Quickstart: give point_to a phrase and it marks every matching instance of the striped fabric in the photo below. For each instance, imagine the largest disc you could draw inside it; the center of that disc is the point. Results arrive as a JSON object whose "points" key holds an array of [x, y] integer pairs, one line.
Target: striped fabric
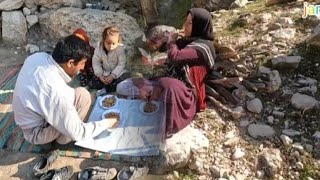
{"points": [[11, 137]]}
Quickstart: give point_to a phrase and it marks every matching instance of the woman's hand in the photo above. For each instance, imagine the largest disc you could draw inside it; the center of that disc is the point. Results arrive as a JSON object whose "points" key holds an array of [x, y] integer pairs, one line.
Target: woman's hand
{"points": [[155, 94], [108, 79], [173, 37], [144, 94]]}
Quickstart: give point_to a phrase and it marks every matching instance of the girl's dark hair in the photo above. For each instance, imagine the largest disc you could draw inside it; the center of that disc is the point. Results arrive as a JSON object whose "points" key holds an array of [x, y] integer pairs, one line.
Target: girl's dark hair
{"points": [[71, 47], [111, 31]]}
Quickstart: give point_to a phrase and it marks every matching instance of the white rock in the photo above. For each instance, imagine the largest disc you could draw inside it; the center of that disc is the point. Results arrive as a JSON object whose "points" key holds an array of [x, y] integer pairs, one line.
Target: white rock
{"points": [[215, 171], [238, 154], [9, 5], [32, 20], [266, 38], [196, 165], [309, 148], [264, 70], [286, 140], [316, 135], [286, 124], [299, 165], [270, 119], [313, 39], [50, 4], [285, 20], [255, 106], [14, 27], [287, 33], [176, 174], [230, 135], [256, 130], [298, 146], [278, 114], [302, 101], [291, 132], [244, 123], [231, 142], [73, 3], [240, 111], [286, 62], [274, 82], [31, 4], [231, 178], [312, 89], [270, 161], [266, 17], [32, 48], [308, 82], [179, 147], [26, 11], [239, 3], [260, 174], [240, 177]]}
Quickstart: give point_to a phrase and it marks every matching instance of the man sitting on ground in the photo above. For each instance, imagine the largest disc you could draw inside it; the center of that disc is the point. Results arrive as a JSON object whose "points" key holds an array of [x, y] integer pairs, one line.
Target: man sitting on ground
{"points": [[45, 107]]}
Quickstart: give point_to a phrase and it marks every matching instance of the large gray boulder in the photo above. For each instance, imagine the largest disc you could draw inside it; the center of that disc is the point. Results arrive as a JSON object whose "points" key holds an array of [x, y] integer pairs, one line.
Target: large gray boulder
{"points": [[14, 27], [53, 4], [9, 5], [178, 149], [64, 21], [213, 5]]}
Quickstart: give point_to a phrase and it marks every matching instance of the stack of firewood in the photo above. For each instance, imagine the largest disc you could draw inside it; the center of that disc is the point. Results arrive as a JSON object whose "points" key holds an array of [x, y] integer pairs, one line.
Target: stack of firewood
{"points": [[229, 74]]}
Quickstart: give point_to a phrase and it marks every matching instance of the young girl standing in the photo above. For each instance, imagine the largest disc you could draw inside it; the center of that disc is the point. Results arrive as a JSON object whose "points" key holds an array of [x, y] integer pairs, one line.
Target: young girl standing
{"points": [[109, 61]]}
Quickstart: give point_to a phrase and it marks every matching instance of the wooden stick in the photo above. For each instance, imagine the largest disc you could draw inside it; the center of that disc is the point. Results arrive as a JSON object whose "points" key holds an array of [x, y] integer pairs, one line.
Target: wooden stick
{"points": [[248, 85], [228, 83], [223, 107], [226, 94], [214, 85], [210, 91], [215, 75]]}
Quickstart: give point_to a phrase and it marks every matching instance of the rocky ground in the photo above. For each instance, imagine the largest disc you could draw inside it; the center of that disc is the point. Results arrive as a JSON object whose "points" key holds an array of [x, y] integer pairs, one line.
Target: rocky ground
{"points": [[278, 137]]}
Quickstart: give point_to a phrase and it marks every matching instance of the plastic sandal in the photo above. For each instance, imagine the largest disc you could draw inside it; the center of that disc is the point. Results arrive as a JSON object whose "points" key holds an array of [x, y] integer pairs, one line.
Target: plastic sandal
{"points": [[64, 173], [132, 172], [42, 166], [97, 173]]}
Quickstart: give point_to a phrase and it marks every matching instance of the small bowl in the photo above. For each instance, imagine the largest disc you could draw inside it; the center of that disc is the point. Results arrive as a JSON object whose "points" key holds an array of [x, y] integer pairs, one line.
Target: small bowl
{"points": [[107, 96], [111, 111], [141, 107]]}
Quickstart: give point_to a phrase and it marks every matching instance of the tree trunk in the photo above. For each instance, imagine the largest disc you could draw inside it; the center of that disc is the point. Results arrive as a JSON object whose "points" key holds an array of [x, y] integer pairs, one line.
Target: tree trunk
{"points": [[150, 12]]}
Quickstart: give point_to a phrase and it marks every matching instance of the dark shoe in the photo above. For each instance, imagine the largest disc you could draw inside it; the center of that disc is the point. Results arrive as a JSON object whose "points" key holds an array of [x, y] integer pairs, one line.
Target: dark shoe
{"points": [[97, 173], [132, 172], [43, 165], [64, 173]]}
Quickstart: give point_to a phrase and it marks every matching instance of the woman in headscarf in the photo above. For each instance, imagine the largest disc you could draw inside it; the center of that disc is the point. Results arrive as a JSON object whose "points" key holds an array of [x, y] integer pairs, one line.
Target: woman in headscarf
{"points": [[192, 56], [87, 77], [189, 60]]}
